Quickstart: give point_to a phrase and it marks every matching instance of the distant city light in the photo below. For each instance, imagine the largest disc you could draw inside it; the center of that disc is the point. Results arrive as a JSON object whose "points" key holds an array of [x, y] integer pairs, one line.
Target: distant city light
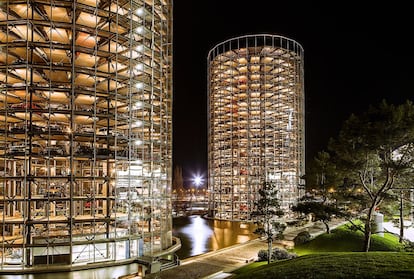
{"points": [[198, 180]]}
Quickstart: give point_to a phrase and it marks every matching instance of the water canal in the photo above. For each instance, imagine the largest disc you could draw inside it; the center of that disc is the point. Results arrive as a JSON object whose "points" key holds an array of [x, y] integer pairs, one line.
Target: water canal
{"points": [[198, 236]]}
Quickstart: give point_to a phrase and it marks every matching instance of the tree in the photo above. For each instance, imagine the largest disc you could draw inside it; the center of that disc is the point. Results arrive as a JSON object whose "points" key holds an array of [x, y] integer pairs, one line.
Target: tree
{"points": [[178, 201], [373, 150], [320, 200], [321, 211], [178, 184], [267, 214], [320, 175], [403, 193], [400, 203]]}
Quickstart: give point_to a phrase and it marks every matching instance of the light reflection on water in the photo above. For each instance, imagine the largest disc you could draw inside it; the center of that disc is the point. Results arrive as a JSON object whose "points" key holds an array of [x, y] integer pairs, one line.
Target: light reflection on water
{"points": [[97, 273], [199, 235], [198, 232]]}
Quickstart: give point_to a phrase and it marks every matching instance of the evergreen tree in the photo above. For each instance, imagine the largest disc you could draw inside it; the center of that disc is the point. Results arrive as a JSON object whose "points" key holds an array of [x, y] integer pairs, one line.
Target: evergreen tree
{"points": [[371, 153], [178, 184], [267, 215], [320, 200]]}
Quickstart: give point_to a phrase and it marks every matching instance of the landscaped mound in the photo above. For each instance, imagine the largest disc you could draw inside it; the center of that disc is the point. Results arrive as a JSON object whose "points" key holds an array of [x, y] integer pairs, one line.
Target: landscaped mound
{"points": [[342, 239], [337, 255], [385, 265]]}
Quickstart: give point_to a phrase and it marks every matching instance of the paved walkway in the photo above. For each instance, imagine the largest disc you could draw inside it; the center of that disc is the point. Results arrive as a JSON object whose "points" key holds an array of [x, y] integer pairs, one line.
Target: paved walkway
{"points": [[219, 264]]}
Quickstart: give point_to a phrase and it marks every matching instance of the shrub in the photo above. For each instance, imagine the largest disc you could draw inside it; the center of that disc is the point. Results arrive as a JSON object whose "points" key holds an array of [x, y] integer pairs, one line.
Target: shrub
{"points": [[282, 254], [408, 246], [277, 254], [262, 255], [302, 237]]}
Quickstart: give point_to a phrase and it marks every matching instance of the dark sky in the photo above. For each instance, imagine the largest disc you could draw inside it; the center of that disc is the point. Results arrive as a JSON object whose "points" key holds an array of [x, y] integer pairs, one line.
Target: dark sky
{"points": [[354, 56]]}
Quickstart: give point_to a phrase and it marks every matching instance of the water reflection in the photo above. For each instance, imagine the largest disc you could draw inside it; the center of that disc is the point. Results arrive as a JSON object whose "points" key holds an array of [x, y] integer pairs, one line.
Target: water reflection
{"points": [[199, 235], [96, 273]]}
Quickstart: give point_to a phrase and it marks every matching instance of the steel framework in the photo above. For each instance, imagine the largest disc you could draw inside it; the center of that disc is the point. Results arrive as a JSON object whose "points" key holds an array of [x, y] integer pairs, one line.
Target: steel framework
{"points": [[256, 122], [85, 131]]}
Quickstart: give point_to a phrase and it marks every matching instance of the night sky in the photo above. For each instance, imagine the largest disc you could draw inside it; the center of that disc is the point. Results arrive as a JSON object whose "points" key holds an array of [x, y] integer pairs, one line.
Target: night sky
{"points": [[354, 56]]}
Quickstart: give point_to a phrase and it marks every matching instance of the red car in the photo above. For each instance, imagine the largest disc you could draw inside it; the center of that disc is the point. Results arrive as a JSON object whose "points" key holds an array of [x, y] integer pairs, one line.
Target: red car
{"points": [[26, 106]]}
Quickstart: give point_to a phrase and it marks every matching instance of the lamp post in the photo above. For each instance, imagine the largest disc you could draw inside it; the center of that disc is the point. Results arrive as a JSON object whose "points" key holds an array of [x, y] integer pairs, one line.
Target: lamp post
{"points": [[198, 181]]}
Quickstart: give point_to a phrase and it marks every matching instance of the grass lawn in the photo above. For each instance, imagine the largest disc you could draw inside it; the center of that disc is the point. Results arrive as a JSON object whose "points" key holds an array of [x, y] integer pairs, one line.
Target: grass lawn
{"points": [[338, 265], [342, 239], [338, 255]]}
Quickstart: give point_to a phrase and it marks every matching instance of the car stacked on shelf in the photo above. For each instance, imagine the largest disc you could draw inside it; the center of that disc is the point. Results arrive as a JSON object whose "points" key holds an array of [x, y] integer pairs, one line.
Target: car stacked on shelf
{"points": [[85, 129], [256, 122]]}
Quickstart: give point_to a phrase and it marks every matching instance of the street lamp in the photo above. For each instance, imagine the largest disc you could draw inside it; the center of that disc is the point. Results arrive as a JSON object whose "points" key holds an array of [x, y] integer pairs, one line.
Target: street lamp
{"points": [[198, 181]]}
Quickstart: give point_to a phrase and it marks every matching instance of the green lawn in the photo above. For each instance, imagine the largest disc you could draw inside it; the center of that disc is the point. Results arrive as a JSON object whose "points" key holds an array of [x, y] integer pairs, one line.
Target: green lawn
{"points": [[338, 265], [338, 255], [342, 239]]}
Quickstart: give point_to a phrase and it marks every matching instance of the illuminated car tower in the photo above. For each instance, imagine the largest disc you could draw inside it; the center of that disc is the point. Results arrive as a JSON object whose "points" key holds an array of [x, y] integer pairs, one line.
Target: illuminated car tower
{"points": [[256, 122], [85, 132]]}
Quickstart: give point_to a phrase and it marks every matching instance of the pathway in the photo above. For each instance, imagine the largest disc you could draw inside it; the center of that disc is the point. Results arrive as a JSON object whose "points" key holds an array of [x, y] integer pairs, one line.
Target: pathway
{"points": [[219, 264]]}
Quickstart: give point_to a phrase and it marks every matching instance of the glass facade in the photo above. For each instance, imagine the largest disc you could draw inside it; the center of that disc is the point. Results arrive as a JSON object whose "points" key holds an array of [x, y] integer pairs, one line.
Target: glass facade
{"points": [[85, 131], [256, 123]]}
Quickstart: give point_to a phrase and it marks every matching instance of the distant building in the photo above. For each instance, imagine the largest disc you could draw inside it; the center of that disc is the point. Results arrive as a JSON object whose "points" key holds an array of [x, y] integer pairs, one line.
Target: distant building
{"points": [[256, 122], [85, 132]]}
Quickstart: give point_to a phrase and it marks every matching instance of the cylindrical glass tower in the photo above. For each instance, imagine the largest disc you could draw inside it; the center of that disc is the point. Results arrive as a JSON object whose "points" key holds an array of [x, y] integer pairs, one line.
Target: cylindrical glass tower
{"points": [[85, 131], [256, 122]]}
